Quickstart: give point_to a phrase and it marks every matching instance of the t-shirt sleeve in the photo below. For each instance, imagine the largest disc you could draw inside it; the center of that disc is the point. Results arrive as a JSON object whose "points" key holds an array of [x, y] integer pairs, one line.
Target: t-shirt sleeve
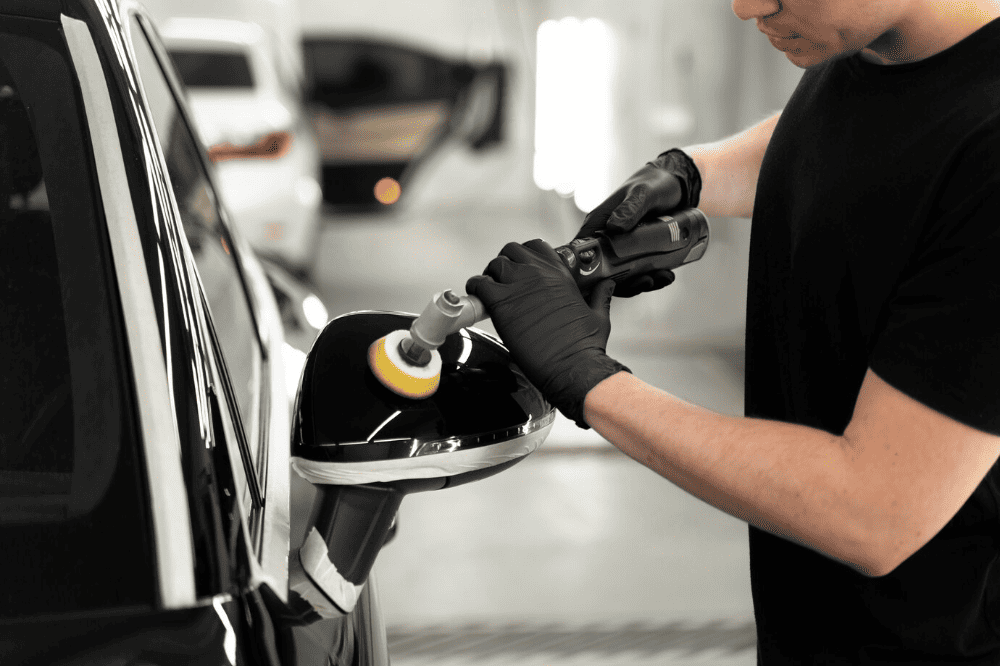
{"points": [[940, 343]]}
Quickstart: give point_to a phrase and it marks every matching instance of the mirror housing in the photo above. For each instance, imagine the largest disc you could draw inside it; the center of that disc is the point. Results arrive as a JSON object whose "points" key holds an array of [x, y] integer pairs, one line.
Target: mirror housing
{"points": [[364, 447]]}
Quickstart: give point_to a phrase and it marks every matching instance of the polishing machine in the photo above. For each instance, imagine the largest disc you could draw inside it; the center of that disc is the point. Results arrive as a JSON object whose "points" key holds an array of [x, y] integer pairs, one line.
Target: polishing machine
{"points": [[433, 403], [406, 361]]}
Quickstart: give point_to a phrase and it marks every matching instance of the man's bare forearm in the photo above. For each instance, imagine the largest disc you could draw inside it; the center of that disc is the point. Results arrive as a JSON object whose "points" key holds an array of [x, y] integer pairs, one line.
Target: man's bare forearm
{"points": [[729, 169], [787, 479]]}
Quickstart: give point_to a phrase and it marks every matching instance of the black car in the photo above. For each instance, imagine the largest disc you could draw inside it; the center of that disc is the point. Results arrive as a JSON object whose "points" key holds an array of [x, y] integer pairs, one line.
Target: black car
{"points": [[144, 436]]}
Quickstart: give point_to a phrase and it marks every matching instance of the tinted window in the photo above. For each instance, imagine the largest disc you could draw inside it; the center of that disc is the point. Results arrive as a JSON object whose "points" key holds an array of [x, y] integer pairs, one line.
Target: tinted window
{"points": [[72, 517], [209, 240], [212, 69]]}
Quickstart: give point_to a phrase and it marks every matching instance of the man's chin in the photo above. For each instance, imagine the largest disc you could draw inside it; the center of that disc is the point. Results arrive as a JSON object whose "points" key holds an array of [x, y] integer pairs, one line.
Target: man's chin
{"points": [[811, 58]]}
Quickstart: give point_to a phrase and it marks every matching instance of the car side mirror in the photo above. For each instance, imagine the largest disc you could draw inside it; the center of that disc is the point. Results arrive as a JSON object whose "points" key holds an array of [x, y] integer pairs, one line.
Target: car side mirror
{"points": [[364, 447]]}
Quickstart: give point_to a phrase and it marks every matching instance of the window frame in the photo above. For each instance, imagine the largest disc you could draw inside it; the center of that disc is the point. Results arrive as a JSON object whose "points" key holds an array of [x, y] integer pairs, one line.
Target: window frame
{"points": [[251, 432], [249, 463]]}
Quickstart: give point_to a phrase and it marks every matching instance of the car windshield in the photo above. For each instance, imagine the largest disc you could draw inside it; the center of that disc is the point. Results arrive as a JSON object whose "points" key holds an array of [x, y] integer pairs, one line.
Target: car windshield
{"points": [[72, 514], [212, 69]]}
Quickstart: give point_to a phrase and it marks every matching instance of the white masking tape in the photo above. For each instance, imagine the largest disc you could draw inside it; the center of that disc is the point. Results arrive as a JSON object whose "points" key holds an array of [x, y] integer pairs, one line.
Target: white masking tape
{"points": [[315, 559]]}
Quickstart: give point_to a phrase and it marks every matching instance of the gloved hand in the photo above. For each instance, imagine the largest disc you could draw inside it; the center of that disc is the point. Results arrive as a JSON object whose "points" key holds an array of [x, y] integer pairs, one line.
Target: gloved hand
{"points": [[555, 337], [669, 182]]}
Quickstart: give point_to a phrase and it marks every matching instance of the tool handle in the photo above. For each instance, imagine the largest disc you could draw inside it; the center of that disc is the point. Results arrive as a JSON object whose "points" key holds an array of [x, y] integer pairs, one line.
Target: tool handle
{"points": [[662, 243], [445, 314]]}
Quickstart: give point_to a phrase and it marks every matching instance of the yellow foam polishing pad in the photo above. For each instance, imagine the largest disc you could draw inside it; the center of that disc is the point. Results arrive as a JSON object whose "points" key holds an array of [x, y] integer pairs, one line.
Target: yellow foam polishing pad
{"points": [[397, 374]]}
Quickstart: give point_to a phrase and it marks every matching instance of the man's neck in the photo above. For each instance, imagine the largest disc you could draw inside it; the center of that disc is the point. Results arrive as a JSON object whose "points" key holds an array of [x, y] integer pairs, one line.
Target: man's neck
{"points": [[931, 27]]}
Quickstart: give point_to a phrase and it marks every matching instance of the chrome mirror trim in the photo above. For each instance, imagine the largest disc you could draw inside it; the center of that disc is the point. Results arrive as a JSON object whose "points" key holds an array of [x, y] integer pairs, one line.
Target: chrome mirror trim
{"points": [[458, 460], [396, 449]]}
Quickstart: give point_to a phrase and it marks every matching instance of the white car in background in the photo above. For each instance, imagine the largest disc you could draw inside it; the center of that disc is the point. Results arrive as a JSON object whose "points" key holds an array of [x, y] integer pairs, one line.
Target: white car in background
{"points": [[246, 99]]}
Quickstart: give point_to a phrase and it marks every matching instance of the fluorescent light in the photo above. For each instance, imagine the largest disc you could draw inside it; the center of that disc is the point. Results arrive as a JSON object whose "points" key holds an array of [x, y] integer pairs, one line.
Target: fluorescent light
{"points": [[573, 109]]}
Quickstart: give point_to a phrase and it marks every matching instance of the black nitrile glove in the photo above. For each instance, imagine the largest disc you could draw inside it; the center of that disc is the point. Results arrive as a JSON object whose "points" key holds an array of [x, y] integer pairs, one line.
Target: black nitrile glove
{"points": [[555, 337], [669, 182]]}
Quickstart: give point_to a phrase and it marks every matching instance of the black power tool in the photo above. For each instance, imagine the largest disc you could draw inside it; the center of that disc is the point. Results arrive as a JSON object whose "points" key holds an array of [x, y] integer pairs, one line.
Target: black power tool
{"points": [[407, 362], [663, 243]]}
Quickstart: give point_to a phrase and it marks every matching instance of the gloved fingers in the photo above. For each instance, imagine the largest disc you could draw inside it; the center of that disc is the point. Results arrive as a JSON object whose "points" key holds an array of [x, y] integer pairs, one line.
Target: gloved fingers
{"points": [[663, 278], [545, 251], [600, 297], [644, 283], [536, 253], [503, 270], [634, 286], [504, 266], [485, 288], [522, 253], [512, 251], [597, 219], [631, 210], [525, 262]]}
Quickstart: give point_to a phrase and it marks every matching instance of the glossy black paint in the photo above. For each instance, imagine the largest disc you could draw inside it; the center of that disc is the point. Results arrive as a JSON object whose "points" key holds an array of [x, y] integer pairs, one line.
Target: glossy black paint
{"points": [[277, 636], [46, 9], [181, 317], [195, 637], [355, 522], [344, 414], [265, 629], [61, 349]]}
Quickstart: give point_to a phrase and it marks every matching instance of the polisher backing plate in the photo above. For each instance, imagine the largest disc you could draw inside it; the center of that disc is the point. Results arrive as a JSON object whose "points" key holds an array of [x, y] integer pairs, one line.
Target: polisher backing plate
{"points": [[399, 376]]}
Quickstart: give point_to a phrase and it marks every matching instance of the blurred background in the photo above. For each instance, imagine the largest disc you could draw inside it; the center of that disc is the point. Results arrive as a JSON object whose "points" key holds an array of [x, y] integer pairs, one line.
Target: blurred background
{"points": [[376, 153]]}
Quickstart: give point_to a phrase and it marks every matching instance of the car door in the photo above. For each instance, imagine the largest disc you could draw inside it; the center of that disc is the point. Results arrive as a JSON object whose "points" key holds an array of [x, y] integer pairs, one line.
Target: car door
{"points": [[249, 411], [242, 314]]}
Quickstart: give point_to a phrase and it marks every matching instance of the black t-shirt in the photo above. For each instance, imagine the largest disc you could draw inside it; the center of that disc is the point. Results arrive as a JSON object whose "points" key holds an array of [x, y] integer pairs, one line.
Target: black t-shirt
{"points": [[876, 244]]}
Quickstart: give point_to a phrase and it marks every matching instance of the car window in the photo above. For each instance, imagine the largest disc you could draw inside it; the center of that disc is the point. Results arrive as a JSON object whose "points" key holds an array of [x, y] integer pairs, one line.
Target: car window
{"points": [[73, 533], [212, 69], [209, 240]]}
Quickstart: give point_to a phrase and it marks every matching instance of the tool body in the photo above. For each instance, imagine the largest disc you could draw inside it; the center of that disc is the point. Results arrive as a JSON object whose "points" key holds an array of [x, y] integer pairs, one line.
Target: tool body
{"points": [[664, 243], [407, 362]]}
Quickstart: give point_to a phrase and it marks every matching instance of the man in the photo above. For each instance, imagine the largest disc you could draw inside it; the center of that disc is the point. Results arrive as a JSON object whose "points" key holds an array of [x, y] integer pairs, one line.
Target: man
{"points": [[866, 462]]}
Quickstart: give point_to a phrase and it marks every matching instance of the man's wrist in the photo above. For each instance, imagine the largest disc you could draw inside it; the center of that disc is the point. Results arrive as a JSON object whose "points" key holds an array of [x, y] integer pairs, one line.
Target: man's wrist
{"points": [[682, 166], [578, 383], [612, 385]]}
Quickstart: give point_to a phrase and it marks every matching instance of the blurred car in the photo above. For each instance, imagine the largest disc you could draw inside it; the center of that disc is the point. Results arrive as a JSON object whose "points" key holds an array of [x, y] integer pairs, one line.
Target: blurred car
{"points": [[387, 89], [246, 100], [144, 430]]}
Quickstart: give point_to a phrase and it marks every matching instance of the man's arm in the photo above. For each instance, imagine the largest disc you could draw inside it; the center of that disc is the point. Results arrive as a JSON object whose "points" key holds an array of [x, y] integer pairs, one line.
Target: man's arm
{"points": [[729, 169], [869, 498]]}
